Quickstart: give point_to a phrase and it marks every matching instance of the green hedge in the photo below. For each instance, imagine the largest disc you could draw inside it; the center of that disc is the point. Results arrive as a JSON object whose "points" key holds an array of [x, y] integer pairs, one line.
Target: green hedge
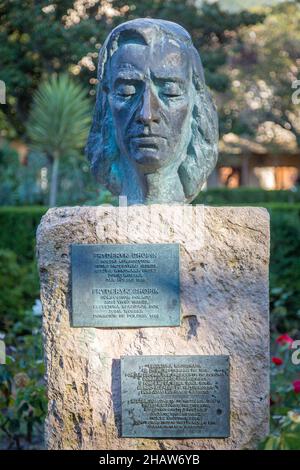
{"points": [[225, 196], [18, 269], [18, 228], [19, 224], [18, 231], [285, 269], [19, 288], [281, 209]]}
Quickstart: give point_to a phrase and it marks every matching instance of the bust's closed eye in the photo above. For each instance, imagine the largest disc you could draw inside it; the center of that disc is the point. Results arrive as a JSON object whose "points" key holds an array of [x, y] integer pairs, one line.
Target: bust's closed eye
{"points": [[171, 89], [126, 90]]}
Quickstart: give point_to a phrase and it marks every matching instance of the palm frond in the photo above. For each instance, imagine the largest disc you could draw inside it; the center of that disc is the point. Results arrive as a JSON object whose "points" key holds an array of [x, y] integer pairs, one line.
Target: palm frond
{"points": [[60, 116]]}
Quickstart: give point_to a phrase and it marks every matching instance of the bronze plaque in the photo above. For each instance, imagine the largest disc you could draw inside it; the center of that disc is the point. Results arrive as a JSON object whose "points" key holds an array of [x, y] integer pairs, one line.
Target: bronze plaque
{"points": [[125, 285], [175, 396]]}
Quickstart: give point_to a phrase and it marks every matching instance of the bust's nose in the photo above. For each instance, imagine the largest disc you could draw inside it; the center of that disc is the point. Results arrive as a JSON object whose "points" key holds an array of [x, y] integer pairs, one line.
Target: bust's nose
{"points": [[148, 111]]}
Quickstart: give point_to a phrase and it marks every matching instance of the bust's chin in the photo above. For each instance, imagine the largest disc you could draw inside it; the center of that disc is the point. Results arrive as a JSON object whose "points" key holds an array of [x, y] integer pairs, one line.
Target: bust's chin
{"points": [[149, 160]]}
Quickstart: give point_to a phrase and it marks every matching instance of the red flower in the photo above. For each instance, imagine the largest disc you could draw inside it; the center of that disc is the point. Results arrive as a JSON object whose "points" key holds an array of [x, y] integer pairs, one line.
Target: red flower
{"points": [[284, 339], [277, 361], [296, 385]]}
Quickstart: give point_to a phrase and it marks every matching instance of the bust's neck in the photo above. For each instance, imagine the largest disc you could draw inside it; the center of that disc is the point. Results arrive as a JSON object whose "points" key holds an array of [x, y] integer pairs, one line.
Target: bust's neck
{"points": [[161, 187]]}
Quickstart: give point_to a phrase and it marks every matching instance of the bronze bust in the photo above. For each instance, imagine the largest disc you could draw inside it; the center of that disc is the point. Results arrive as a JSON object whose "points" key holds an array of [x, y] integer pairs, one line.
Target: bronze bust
{"points": [[154, 136]]}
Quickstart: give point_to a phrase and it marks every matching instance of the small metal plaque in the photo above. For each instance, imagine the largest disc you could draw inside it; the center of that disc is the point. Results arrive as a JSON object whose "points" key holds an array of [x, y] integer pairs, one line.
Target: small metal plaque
{"points": [[175, 396], [125, 285]]}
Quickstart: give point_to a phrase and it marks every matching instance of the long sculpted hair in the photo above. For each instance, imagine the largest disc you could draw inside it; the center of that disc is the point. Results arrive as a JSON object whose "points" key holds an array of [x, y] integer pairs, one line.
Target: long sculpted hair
{"points": [[202, 151]]}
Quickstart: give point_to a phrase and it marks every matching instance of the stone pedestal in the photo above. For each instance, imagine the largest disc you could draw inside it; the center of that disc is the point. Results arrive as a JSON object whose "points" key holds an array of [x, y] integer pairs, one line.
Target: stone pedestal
{"points": [[224, 258]]}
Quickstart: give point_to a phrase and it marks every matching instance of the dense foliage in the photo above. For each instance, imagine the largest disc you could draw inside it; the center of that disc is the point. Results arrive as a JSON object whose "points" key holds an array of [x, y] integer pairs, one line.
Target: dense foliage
{"points": [[285, 271], [27, 183], [40, 38], [18, 227], [19, 288], [22, 391], [35, 43], [285, 397], [246, 195], [263, 67], [59, 122]]}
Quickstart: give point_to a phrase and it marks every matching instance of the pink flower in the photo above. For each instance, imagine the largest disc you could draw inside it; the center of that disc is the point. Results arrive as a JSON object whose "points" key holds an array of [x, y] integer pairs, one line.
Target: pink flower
{"points": [[296, 385], [284, 339], [277, 361]]}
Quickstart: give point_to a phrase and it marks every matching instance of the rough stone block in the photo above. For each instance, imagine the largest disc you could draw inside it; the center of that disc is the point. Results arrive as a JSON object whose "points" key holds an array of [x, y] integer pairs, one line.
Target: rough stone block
{"points": [[224, 310]]}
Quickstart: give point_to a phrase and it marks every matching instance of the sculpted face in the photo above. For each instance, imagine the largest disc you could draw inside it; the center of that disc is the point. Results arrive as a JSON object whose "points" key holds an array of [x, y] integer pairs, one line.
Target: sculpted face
{"points": [[150, 97], [154, 137]]}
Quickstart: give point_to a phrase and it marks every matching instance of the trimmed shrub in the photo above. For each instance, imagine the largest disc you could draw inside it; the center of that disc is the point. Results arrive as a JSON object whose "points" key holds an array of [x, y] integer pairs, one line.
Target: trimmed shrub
{"points": [[285, 269], [244, 196], [18, 270], [19, 288], [18, 229]]}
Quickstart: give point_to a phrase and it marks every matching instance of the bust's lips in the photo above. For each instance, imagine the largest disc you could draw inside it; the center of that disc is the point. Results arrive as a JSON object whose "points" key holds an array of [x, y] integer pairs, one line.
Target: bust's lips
{"points": [[147, 141]]}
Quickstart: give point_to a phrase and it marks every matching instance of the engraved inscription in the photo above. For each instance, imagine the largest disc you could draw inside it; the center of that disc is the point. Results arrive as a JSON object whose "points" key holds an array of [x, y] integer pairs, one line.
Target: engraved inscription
{"points": [[175, 396], [129, 268], [125, 285]]}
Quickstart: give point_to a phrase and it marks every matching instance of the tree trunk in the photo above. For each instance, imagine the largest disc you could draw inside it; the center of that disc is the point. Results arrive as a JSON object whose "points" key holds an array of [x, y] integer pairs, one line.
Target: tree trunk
{"points": [[53, 186]]}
